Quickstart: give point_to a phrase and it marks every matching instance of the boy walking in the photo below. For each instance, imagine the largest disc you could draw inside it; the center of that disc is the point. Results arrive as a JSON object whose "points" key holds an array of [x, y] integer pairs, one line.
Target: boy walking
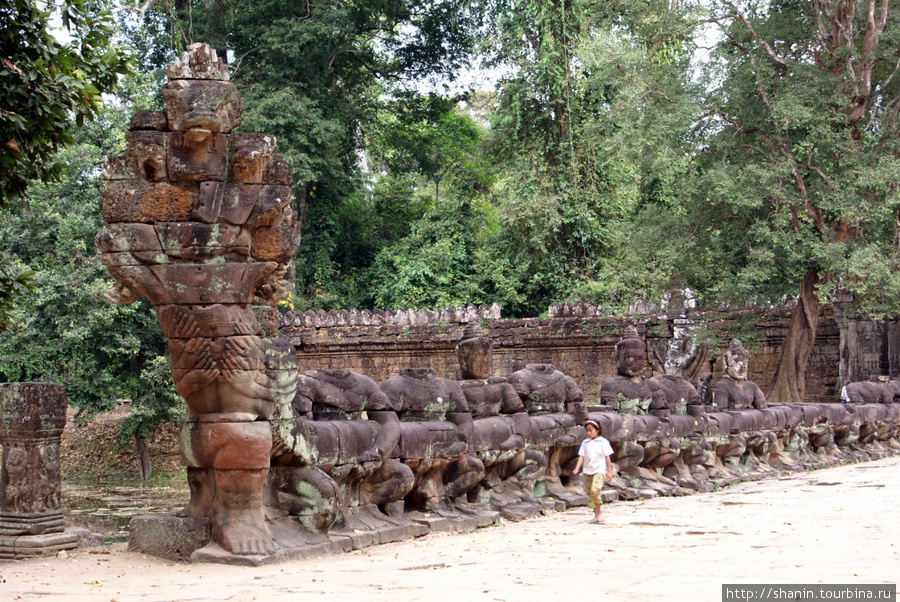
{"points": [[594, 455]]}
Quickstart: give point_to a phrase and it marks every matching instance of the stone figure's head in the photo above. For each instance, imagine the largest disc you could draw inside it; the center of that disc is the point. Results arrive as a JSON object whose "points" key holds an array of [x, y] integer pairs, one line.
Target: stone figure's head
{"points": [[737, 360], [199, 95], [475, 353], [678, 352], [631, 355]]}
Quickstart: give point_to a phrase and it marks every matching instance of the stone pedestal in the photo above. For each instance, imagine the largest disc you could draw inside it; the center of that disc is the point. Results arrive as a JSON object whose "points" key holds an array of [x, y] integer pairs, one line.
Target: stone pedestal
{"points": [[32, 418]]}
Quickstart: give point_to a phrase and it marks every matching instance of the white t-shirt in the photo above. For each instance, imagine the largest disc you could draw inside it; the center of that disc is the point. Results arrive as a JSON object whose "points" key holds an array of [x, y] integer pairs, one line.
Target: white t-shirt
{"points": [[594, 452]]}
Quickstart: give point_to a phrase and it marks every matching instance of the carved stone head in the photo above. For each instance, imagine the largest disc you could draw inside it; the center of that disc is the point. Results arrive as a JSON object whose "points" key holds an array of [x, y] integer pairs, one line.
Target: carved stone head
{"points": [[475, 353], [631, 354], [199, 95], [737, 360]]}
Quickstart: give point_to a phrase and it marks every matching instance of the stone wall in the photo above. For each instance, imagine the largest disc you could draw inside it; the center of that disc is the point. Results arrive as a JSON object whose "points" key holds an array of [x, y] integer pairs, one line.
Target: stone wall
{"points": [[581, 346]]}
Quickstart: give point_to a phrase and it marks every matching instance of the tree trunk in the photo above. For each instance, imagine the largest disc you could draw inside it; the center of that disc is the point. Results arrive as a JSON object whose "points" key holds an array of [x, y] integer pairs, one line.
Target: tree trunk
{"points": [[790, 375], [143, 457]]}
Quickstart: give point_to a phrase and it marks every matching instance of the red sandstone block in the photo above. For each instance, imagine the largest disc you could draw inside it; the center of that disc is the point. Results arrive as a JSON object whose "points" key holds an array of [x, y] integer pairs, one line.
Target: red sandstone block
{"points": [[274, 243], [250, 156], [143, 201], [186, 283]]}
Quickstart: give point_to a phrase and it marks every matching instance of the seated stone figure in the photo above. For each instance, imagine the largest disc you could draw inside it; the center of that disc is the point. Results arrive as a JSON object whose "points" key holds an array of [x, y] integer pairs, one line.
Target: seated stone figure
{"points": [[734, 391], [486, 394], [690, 455], [545, 390], [629, 392], [556, 410], [332, 449], [501, 426], [680, 393], [435, 425], [881, 391]]}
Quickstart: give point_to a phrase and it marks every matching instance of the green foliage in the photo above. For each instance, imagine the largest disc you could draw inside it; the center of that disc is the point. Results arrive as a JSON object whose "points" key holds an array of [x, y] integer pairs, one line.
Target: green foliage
{"points": [[801, 171], [436, 264], [427, 135], [44, 80], [14, 282], [43, 83], [317, 77], [588, 131], [64, 331], [153, 401]]}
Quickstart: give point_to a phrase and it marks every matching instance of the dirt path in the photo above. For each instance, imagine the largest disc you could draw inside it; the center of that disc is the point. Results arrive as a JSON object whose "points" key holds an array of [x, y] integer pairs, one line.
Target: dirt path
{"points": [[831, 526]]}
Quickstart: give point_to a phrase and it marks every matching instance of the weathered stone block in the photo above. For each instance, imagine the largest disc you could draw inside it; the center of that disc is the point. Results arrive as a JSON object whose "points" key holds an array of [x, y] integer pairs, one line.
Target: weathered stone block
{"points": [[32, 418], [250, 156], [227, 445], [146, 155], [272, 207], [278, 172], [199, 61], [192, 240], [274, 243], [115, 168], [181, 284], [128, 238], [33, 546], [32, 409], [142, 201], [229, 203], [196, 155], [206, 321], [148, 120], [167, 536]]}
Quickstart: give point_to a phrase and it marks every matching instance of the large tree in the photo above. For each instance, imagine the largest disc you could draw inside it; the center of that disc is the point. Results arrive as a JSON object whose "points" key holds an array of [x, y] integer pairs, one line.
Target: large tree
{"points": [[577, 137], [317, 75], [801, 169]]}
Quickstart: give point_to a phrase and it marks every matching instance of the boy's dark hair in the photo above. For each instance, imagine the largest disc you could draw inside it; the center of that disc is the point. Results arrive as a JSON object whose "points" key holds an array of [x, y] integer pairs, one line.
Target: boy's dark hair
{"points": [[596, 425]]}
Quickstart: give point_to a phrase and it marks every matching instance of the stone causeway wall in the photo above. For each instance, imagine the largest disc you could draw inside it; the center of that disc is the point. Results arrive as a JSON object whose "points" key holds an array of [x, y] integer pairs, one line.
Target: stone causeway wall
{"points": [[581, 346], [459, 314]]}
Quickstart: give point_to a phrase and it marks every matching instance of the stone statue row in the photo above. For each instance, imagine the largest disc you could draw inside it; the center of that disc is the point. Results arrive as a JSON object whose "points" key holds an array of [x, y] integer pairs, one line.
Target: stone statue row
{"points": [[200, 222], [421, 443], [666, 439]]}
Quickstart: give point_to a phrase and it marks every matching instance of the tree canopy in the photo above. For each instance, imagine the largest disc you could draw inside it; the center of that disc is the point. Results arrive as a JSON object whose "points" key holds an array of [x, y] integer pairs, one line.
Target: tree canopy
{"points": [[45, 82]]}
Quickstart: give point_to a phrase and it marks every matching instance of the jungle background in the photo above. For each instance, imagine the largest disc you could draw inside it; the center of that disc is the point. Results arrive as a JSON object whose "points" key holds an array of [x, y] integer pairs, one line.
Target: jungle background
{"points": [[517, 152]]}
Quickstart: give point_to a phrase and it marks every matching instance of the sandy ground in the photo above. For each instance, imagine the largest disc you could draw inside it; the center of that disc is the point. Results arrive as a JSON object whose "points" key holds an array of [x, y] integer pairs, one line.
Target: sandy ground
{"points": [[830, 526]]}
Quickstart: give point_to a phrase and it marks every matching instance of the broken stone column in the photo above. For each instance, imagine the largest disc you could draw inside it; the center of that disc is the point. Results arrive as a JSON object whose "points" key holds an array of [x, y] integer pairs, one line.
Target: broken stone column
{"points": [[32, 418]]}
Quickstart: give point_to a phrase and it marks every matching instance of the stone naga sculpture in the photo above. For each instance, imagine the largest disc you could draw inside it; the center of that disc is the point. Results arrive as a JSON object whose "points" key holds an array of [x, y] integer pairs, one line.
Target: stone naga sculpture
{"points": [[200, 223], [884, 390]]}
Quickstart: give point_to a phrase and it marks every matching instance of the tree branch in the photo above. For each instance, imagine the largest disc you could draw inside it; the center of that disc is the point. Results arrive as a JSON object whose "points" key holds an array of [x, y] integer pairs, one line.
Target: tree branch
{"points": [[769, 50]]}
